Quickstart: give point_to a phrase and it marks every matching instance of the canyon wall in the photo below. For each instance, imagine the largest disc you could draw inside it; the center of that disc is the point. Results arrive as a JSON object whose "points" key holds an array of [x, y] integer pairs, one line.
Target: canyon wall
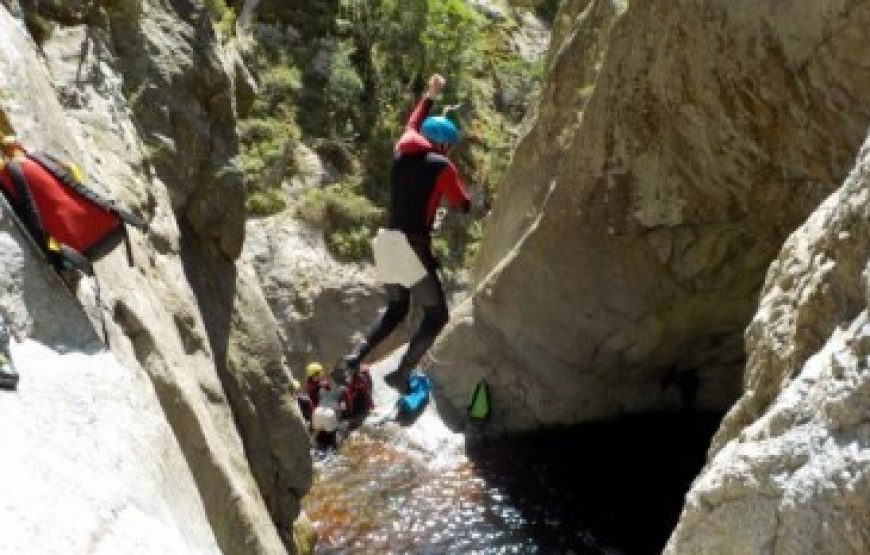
{"points": [[675, 146], [142, 94], [789, 469]]}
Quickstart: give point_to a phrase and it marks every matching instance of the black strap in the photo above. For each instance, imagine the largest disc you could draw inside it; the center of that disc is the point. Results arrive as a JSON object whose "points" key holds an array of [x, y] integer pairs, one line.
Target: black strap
{"points": [[98, 299], [76, 259], [25, 205], [128, 248]]}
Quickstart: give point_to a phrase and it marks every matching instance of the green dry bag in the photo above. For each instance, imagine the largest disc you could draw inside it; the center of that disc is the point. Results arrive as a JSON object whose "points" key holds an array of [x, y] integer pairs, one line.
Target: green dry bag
{"points": [[480, 402]]}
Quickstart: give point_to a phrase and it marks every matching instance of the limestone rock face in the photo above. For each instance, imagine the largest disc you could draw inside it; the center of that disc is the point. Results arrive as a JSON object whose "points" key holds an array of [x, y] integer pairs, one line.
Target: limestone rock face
{"points": [[322, 305], [141, 96], [675, 146], [13, 6], [182, 95], [90, 464], [244, 338], [789, 469]]}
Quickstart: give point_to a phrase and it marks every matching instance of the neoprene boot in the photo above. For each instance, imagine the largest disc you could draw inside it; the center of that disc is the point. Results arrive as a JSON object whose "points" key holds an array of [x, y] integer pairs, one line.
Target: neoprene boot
{"points": [[398, 379]]}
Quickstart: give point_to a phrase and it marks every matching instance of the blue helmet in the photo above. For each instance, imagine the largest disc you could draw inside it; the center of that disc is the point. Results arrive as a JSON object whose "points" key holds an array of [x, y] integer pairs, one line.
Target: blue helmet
{"points": [[441, 130]]}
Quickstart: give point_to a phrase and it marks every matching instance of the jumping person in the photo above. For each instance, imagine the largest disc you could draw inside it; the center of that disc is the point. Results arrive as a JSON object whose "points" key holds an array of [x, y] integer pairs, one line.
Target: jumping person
{"points": [[421, 175]]}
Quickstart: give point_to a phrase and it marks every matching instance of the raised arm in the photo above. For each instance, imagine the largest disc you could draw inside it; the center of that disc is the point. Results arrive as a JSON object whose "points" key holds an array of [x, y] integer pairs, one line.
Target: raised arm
{"points": [[421, 110]]}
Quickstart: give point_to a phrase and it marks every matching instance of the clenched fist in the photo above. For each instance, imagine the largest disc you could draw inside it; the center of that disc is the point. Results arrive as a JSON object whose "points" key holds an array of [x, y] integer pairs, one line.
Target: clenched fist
{"points": [[436, 84]]}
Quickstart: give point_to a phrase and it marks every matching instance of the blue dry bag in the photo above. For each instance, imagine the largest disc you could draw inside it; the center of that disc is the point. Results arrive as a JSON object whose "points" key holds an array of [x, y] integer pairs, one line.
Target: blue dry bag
{"points": [[415, 400]]}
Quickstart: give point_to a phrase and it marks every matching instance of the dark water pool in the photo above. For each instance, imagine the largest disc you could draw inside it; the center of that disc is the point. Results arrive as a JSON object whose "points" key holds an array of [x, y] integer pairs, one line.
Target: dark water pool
{"points": [[614, 488]]}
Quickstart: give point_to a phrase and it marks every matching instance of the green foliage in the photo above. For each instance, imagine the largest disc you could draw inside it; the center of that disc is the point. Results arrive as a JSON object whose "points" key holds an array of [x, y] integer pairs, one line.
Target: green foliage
{"points": [[353, 244], [440, 247], [475, 235], [312, 19], [267, 137], [278, 84], [395, 45], [223, 16], [271, 131], [517, 80], [343, 84], [449, 44], [338, 206], [265, 202], [344, 90], [400, 42], [347, 218], [265, 154]]}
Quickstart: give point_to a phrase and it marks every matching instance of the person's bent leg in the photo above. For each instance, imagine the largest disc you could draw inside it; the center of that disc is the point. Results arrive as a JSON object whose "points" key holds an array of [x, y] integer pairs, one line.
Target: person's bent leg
{"points": [[430, 295], [398, 301]]}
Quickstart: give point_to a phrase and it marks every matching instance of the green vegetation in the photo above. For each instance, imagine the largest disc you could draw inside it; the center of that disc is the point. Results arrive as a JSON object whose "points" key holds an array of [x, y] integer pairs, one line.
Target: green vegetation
{"points": [[396, 45], [344, 91], [344, 83], [262, 202], [223, 16], [268, 136], [348, 218]]}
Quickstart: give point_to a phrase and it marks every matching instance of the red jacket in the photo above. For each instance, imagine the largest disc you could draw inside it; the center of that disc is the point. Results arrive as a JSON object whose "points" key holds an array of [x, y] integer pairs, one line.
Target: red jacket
{"points": [[421, 177]]}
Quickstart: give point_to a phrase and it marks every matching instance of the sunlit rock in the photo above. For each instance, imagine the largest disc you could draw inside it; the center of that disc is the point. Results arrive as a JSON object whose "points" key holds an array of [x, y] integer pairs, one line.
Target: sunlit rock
{"points": [[676, 145], [790, 465]]}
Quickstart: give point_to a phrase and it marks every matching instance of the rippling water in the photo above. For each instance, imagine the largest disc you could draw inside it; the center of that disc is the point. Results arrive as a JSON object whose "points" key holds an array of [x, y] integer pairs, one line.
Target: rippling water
{"points": [[614, 488]]}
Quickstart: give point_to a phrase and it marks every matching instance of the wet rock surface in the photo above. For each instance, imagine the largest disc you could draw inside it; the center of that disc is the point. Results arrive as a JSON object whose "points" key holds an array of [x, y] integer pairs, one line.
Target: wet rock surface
{"points": [[789, 469]]}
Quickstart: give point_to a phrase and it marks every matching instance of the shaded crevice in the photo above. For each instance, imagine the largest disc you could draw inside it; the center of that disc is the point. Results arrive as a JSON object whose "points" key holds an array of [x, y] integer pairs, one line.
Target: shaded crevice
{"points": [[599, 486], [269, 438], [190, 337]]}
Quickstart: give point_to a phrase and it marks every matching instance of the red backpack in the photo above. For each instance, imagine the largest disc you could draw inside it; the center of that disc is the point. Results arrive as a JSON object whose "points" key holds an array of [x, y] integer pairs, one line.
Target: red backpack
{"points": [[356, 396], [70, 223]]}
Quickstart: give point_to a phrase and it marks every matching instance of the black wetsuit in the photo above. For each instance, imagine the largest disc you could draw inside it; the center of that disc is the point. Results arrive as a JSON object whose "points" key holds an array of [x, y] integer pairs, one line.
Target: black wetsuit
{"points": [[420, 178]]}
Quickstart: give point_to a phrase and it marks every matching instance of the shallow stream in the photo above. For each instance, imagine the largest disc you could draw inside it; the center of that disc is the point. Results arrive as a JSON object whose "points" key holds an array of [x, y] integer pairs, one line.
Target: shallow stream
{"points": [[614, 488]]}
